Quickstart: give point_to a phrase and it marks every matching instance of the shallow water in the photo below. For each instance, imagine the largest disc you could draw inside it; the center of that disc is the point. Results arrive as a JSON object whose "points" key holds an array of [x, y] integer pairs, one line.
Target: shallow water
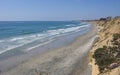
{"points": [[26, 35]]}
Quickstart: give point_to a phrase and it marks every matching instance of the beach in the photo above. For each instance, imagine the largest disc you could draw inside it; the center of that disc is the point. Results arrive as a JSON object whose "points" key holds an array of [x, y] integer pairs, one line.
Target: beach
{"points": [[59, 37], [69, 59]]}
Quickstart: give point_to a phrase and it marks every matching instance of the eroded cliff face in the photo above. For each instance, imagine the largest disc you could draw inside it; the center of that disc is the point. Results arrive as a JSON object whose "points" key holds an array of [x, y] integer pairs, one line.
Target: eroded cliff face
{"points": [[107, 29]]}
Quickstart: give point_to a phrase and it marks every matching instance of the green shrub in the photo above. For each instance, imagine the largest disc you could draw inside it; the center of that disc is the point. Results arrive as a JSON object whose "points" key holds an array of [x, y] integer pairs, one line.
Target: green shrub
{"points": [[103, 58], [116, 36]]}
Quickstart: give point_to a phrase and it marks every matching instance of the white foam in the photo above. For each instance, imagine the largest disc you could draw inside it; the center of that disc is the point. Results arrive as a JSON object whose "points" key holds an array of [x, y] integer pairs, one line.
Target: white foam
{"points": [[14, 39], [1, 40], [31, 48], [65, 30], [11, 43], [70, 25]]}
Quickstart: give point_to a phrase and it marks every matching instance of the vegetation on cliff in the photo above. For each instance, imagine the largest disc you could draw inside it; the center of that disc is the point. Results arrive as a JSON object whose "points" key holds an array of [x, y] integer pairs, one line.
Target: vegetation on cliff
{"points": [[108, 57]]}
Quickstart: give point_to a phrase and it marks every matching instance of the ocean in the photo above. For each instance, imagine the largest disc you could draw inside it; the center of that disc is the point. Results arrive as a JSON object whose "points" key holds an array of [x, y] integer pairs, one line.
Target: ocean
{"points": [[27, 35]]}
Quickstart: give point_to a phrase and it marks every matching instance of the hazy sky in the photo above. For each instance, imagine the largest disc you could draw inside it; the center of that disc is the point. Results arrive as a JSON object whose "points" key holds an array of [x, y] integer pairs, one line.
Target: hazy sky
{"points": [[24, 10]]}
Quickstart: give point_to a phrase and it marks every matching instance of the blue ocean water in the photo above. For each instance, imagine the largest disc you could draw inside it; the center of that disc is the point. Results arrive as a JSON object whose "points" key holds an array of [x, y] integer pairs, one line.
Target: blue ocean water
{"points": [[30, 34]]}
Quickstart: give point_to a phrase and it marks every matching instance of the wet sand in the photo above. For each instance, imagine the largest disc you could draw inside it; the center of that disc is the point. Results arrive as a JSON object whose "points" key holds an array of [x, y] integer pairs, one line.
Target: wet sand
{"points": [[70, 59]]}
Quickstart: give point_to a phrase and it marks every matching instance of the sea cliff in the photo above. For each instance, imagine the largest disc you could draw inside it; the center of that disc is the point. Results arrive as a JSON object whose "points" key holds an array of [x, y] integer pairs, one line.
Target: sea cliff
{"points": [[105, 54]]}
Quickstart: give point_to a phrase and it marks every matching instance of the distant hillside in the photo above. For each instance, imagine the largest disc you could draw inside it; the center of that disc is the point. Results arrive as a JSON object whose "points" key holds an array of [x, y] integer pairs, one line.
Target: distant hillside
{"points": [[106, 52]]}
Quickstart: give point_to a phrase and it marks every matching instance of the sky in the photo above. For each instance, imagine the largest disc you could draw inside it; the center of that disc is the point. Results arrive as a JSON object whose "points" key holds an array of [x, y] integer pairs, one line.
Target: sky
{"points": [[57, 10]]}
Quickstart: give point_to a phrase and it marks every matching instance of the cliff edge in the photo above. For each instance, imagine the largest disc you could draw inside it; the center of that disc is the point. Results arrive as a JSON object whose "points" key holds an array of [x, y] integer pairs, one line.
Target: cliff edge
{"points": [[105, 54]]}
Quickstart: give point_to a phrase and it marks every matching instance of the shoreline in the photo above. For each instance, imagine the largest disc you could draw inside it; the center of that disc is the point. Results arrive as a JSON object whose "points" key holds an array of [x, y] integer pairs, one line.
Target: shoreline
{"points": [[58, 60]]}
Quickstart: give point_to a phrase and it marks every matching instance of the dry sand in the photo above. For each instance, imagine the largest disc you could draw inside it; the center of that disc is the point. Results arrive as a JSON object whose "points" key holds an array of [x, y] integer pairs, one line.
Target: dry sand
{"points": [[68, 60]]}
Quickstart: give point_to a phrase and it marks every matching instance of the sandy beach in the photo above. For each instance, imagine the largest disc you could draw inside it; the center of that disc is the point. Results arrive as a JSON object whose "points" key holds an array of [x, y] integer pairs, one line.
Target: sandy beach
{"points": [[59, 37], [70, 59]]}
